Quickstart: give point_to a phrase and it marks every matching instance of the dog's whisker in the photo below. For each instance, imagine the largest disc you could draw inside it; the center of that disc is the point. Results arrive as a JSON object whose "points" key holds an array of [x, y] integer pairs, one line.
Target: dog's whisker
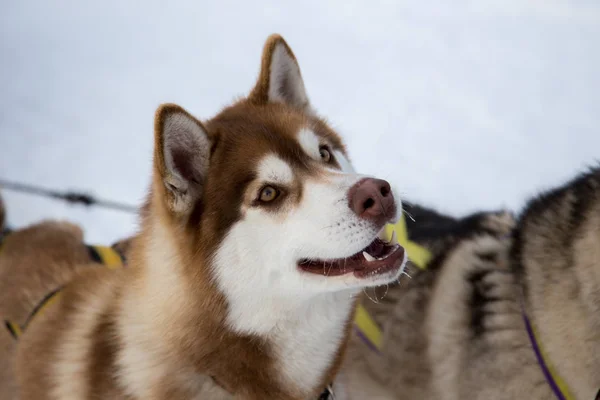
{"points": [[409, 215], [387, 288], [400, 277], [369, 297]]}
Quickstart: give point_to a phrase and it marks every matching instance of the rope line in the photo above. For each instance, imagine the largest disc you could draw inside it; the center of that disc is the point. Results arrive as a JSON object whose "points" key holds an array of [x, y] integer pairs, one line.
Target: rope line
{"points": [[70, 196]]}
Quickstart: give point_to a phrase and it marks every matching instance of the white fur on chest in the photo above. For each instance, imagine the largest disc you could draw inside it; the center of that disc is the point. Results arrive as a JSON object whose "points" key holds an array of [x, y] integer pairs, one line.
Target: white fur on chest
{"points": [[307, 341], [305, 327]]}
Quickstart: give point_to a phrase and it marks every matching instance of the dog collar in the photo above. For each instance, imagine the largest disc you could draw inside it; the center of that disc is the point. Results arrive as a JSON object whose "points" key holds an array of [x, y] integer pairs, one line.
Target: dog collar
{"points": [[104, 255], [558, 385], [364, 326]]}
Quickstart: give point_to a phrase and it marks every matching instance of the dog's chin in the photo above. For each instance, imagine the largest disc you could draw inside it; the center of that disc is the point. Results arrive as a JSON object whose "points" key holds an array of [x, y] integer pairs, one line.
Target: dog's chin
{"points": [[378, 263]]}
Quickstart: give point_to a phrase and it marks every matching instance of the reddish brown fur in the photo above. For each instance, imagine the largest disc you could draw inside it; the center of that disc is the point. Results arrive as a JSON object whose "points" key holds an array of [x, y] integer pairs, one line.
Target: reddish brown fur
{"points": [[38, 345], [241, 364], [259, 95], [33, 262]]}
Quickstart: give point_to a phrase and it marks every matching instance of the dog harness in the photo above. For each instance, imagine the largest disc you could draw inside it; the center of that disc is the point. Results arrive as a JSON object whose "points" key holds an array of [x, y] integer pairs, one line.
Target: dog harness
{"points": [[558, 385], [104, 255]]}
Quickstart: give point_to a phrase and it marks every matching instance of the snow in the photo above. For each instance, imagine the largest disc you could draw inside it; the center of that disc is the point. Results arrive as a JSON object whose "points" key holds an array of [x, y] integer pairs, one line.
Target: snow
{"points": [[463, 105]]}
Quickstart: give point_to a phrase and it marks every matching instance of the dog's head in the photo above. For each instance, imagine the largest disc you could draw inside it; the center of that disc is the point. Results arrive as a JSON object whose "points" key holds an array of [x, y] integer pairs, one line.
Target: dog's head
{"points": [[266, 190]]}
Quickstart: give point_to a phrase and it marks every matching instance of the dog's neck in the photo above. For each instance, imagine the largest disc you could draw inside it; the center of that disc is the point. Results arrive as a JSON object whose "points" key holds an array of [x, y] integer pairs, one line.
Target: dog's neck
{"points": [[305, 336]]}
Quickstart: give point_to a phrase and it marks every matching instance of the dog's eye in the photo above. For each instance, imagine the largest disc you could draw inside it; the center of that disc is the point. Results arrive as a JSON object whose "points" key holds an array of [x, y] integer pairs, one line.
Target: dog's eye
{"points": [[325, 154], [268, 193]]}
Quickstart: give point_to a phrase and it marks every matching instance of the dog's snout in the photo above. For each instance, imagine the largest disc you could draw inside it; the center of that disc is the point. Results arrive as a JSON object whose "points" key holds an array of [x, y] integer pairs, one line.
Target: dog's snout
{"points": [[372, 199]]}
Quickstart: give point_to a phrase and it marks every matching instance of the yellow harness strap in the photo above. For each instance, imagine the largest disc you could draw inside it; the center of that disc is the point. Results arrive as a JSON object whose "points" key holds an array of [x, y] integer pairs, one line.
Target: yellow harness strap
{"points": [[104, 255], [16, 330], [107, 256], [420, 256]]}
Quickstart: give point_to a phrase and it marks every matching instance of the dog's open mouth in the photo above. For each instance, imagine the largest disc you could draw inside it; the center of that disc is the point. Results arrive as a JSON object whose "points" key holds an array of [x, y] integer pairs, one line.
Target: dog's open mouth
{"points": [[377, 258]]}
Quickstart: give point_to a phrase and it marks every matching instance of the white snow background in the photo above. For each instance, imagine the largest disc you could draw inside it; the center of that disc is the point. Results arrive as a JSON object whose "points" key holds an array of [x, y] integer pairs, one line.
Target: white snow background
{"points": [[464, 105]]}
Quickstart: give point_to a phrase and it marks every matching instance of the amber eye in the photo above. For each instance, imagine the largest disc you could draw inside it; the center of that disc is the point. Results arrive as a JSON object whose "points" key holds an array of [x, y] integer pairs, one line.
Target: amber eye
{"points": [[325, 154], [268, 193]]}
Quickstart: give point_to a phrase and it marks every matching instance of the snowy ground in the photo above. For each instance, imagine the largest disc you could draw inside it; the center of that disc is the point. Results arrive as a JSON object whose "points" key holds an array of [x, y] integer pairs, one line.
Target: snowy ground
{"points": [[463, 104]]}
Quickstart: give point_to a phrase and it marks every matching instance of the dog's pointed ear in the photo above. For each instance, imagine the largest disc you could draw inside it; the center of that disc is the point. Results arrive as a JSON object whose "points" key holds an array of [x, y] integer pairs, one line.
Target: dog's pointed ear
{"points": [[181, 156], [280, 80]]}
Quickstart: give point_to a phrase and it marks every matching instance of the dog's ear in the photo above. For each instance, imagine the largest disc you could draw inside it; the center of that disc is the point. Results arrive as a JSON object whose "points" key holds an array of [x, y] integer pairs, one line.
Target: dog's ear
{"points": [[181, 154], [279, 80]]}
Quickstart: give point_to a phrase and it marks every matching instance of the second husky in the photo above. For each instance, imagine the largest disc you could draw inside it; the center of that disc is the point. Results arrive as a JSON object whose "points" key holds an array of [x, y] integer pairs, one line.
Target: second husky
{"points": [[509, 313]]}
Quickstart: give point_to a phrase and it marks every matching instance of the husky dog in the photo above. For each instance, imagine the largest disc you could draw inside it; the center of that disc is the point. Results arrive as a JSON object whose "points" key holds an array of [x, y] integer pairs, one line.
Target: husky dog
{"points": [[499, 316], [437, 233], [556, 259], [398, 370], [255, 240], [33, 262]]}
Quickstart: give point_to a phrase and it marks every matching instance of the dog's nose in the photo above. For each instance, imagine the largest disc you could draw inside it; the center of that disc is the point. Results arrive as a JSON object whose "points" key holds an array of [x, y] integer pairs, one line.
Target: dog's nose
{"points": [[372, 199]]}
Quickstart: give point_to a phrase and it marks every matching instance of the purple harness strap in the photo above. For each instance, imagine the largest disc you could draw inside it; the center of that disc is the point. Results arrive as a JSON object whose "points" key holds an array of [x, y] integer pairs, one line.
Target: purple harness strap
{"points": [[536, 348], [366, 340]]}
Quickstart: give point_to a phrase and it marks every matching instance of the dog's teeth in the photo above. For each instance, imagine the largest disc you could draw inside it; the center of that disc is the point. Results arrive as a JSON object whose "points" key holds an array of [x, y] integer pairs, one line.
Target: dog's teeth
{"points": [[394, 239], [368, 257]]}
